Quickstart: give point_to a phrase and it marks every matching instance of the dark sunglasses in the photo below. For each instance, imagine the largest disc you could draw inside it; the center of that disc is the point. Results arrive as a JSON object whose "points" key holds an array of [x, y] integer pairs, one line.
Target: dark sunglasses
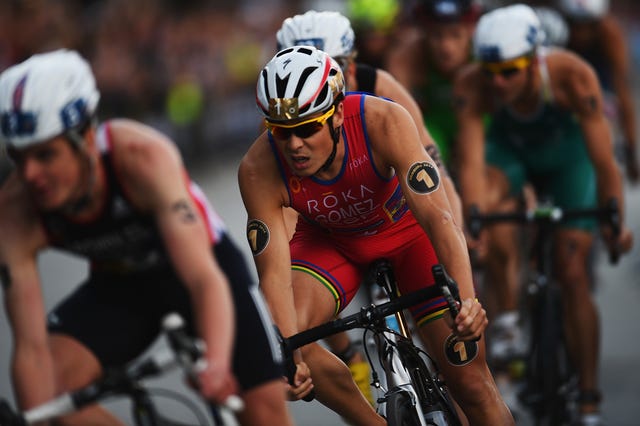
{"points": [[506, 69], [303, 130]]}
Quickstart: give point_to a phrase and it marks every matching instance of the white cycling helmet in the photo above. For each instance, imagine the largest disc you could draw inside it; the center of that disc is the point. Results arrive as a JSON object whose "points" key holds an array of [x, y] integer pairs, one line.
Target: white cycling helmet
{"points": [[47, 95], [328, 31], [507, 33], [555, 27], [584, 10], [297, 82]]}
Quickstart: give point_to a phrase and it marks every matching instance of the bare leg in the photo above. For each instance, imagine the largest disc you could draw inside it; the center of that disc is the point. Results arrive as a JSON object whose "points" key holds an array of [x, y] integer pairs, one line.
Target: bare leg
{"points": [[471, 384], [267, 406], [332, 380], [76, 366], [342, 346], [581, 319]]}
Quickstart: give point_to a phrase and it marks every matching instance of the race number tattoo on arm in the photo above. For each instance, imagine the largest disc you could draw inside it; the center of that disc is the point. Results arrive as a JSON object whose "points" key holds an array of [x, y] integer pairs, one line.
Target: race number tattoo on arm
{"points": [[589, 105], [423, 178], [258, 236], [183, 208]]}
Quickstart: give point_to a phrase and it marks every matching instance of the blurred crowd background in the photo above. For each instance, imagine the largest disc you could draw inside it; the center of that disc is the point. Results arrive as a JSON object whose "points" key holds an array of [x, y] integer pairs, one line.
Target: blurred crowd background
{"points": [[188, 67]]}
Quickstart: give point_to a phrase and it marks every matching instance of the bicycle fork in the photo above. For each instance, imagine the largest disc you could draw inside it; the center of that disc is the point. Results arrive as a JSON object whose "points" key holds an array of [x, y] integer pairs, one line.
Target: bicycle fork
{"points": [[397, 378]]}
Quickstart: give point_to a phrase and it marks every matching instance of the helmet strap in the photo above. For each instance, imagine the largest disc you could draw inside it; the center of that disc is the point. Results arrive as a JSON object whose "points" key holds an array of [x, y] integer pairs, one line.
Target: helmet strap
{"points": [[335, 136]]}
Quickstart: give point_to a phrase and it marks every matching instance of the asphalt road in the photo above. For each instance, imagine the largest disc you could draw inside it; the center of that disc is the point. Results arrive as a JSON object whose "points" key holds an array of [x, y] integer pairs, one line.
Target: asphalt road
{"points": [[618, 296]]}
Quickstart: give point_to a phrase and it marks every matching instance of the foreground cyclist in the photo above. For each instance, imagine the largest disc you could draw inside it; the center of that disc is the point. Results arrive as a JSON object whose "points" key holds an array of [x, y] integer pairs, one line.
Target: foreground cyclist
{"points": [[548, 129], [332, 32], [119, 195], [355, 170]]}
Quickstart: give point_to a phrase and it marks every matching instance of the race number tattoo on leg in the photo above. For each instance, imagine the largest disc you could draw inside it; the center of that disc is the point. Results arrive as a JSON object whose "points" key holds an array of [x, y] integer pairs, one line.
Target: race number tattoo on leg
{"points": [[460, 352], [423, 178], [258, 236], [183, 208]]}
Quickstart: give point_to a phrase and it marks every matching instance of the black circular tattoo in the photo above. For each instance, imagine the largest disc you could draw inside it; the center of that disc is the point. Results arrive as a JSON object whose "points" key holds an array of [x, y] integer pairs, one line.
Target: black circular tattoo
{"points": [[258, 236], [423, 178]]}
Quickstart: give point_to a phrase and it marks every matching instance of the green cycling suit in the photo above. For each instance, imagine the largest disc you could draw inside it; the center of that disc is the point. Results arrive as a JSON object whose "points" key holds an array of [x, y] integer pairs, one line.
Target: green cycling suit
{"points": [[546, 149]]}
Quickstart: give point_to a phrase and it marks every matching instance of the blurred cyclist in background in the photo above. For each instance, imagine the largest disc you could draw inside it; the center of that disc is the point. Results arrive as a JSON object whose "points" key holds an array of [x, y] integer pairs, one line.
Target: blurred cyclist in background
{"points": [[426, 61], [332, 32], [548, 129], [554, 26], [597, 36], [118, 195]]}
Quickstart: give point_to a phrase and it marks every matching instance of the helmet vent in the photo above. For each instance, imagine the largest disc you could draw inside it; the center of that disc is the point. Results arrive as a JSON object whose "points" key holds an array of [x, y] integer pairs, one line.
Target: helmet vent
{"points": [[265, 84], [304, 75], [322, 95], [284, 52], [281, 85]]}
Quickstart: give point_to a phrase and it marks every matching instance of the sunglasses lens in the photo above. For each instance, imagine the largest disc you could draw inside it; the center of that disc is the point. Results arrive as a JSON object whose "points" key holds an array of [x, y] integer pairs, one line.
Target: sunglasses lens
{"points": [[280, 132], [505, 73], [307, 130], [509, 72], [304, 131]]}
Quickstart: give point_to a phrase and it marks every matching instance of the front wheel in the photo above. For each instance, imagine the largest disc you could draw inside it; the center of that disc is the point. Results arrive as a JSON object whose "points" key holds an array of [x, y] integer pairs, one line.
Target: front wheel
{"points": [[401, 411]]}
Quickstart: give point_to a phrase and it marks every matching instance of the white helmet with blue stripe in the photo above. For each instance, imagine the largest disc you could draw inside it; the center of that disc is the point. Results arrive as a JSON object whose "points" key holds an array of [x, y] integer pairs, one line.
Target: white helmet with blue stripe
{"points": [[507, 33], [584, 10], [47, 95], [327, 30]]}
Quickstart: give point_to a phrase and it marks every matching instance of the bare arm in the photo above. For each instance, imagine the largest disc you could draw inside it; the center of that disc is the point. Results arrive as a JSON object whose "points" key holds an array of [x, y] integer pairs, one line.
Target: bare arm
{"points": [[585, 99], [396, 144], [22, 237], [264, 197], [469, 142], [389, 87], [140, 154], [618, 58]]}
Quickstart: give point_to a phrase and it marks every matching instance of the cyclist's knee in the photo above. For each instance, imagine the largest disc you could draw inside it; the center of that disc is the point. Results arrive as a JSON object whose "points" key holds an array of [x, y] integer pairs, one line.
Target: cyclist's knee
{"points": [[472, 385], [475, 394], [74, 364], [265, 404]]}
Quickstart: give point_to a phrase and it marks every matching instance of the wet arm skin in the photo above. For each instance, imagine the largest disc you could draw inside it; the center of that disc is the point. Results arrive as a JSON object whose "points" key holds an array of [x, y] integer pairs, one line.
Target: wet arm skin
{"points": [[396, 146], [469, 142], [579, 91], [139, 153], [387, 86], [265, 197], [22, 237], [618, 57]]}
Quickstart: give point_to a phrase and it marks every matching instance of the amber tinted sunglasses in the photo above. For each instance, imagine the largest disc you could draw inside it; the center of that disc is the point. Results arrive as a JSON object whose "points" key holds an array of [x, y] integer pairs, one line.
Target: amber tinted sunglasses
{"points": [[506, 69], [303, 129]]}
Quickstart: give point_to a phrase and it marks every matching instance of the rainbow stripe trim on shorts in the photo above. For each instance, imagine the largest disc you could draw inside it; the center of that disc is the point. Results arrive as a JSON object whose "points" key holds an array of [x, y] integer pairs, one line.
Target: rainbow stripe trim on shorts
{"points": [[325, 278], [427, 312]]}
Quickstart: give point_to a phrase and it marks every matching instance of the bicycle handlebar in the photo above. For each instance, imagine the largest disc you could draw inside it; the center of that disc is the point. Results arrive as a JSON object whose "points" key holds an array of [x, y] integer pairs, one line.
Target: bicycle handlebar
{"points": [[367, 316], [185, 351], [551, 215], [370, 316]]}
